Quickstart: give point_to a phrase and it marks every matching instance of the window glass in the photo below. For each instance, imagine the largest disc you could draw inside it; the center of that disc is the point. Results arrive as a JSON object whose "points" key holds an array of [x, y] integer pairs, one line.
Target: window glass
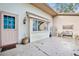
{"points": [[9, 22], [35, 25], [5, 21], [39, 25]]}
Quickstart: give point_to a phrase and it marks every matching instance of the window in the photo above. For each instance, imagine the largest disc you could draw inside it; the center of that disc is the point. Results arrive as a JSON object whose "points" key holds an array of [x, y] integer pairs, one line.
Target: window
{"points": [[39, 25], [9, 22], [67, 26], [35, 23]]}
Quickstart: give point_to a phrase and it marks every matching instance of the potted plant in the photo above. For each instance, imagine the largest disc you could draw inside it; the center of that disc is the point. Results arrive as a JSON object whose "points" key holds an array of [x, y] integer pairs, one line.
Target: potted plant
{"points": [[25, 40]]}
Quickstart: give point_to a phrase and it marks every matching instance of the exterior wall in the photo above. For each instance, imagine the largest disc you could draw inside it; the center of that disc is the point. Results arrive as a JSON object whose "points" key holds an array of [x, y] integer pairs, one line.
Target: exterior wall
{"points": [[59, 21], [20, 10]]}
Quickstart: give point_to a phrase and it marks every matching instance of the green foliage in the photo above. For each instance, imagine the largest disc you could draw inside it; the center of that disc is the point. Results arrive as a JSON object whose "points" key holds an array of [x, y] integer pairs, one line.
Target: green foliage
{"points": [[66, 7]]}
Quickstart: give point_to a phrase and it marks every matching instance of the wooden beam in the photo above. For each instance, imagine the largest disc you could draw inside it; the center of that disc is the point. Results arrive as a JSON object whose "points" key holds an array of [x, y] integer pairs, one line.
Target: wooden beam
{"points": [[44, 7], [68, 14]]}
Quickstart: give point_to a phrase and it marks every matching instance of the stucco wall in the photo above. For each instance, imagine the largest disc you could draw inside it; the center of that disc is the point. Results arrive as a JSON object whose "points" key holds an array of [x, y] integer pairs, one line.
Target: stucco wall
{"points": [[20, 10], [59, 21]]}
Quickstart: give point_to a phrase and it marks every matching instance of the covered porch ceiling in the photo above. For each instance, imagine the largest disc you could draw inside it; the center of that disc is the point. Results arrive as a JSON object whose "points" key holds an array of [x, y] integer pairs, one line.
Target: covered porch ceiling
{"points": [[46, 8]]}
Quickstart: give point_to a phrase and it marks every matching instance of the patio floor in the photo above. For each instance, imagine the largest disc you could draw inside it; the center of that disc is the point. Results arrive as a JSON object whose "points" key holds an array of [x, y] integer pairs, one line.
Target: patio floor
{"points": [[54, 46]]}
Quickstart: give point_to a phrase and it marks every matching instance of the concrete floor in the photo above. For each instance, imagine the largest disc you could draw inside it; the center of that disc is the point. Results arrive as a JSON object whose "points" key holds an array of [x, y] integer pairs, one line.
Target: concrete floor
{"points": [[54, 46]]}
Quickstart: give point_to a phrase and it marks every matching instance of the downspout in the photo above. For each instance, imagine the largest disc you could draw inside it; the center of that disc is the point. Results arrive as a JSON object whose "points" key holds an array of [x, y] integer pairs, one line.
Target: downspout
{"points": [[53, 27]]}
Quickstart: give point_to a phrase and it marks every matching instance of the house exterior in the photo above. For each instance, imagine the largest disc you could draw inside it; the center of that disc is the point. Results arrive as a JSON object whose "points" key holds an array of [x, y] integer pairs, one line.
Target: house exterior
{"points": [[25, 30], [31, 16]]}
